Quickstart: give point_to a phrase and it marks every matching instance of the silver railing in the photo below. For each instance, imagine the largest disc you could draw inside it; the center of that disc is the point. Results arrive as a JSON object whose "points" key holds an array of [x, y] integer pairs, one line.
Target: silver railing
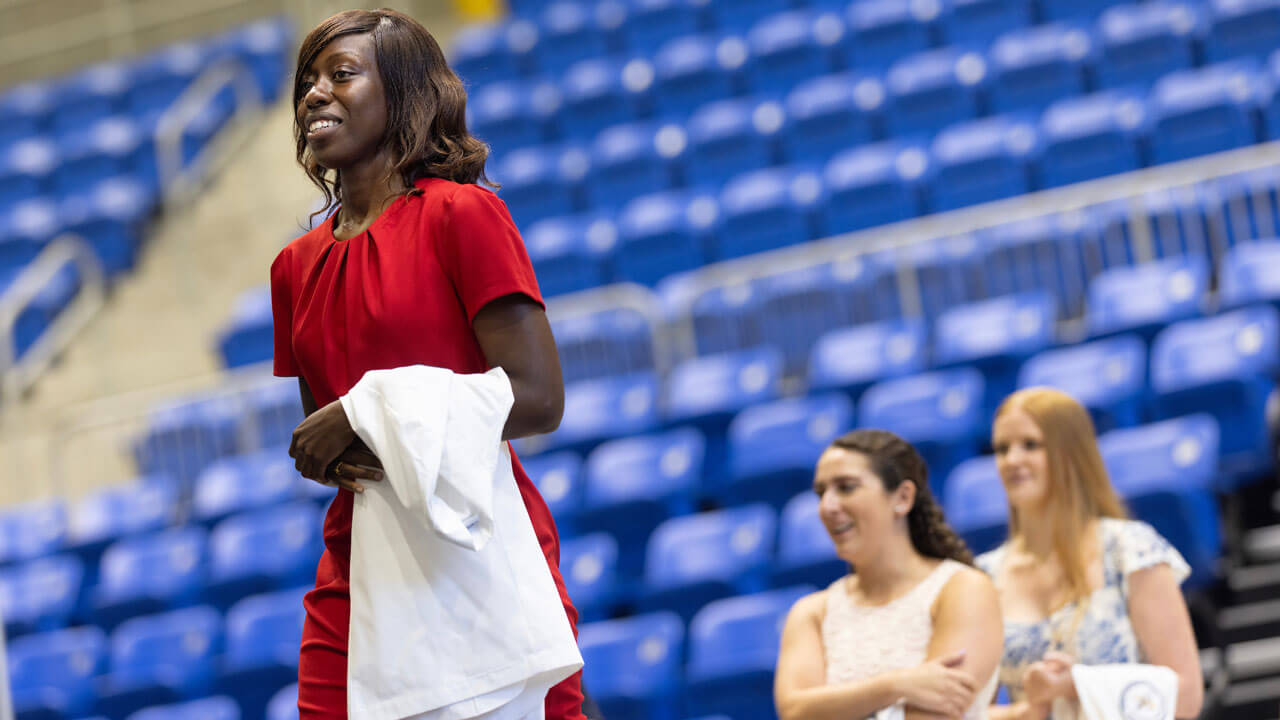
{"points": [[17, 373]]}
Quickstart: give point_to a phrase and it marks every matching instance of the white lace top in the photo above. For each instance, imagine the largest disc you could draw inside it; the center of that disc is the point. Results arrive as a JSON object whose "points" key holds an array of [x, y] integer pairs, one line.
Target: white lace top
{"points": [[862, 641], [1104, 634]]}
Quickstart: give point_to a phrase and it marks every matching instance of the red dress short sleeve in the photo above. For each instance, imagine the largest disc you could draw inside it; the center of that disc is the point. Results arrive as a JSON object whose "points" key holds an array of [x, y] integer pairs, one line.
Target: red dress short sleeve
{"points": [[283, 364], [481, 250]]}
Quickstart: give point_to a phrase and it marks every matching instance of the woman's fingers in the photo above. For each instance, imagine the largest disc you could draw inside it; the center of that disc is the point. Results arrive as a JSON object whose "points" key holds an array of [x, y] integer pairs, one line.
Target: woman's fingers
{"points": [[361, 457]]}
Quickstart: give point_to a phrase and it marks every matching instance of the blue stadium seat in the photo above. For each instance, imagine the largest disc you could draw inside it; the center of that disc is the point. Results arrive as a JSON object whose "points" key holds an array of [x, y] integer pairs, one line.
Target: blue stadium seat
{"points": [[691, 70], [931, 89], [264, 633], [237, 564], [733, 647], [872, 185], [26, 170], [1033, 67], [1039, 253], [854, 358], [633, 484], [632, 159], [558, 477], [1209, 109], [491, 53], [996, 336], [831, 113], [91, 94], [26, 106], [1138, 43], [247, 337], [1250, 274], [742, 14], [728, 137], [603, 343], [161, 76], [604, 408], [41, 594], [186, 434], [244, 482], [633, 665], [568, 32], [160, 659], [1224, 365], [108, 148], [806, 553], [1250, 201], [975, 22], [52, 674], [113, 513], [941, 413], [1081, 10], [767, 209], [602, 92], [1106, 376], [1166, 471], [220, 707], [274, 410], [773, 447], [725, 318], [792, 46], [589, 566], [709, 390], [975, 503], [650, 23], [571, 253], [664, 233], [1144, 298], [948, 272], [881, 31], [284, 704], [32, 529], [110, 216], [542, 182], [1241, 28], [1091, 136], [148, 574], [799, 306], [982, 160], [511, 115], [695, 559], [265, 46]]}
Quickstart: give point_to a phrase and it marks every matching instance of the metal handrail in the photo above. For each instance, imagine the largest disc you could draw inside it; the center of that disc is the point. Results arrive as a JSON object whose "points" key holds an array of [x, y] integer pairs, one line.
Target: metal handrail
{"points": [[18, 374], [176, 182]]}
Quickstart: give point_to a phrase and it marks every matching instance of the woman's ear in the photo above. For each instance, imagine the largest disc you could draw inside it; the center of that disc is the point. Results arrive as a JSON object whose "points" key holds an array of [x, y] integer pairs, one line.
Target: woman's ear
{"points": [[904, 497]]}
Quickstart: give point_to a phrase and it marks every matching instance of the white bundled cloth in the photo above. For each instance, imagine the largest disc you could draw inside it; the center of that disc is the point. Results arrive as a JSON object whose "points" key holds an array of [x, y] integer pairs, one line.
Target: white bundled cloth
{"points": [[454, 613], [1122, 691]]}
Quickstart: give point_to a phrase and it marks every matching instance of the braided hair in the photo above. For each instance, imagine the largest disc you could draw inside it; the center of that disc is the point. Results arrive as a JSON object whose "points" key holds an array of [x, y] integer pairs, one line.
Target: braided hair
{"points": [[895, 461]]}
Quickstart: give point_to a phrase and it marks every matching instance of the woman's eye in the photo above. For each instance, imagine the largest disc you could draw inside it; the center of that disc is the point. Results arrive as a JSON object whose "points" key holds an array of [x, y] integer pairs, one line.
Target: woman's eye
{"points": [[341, 75]]}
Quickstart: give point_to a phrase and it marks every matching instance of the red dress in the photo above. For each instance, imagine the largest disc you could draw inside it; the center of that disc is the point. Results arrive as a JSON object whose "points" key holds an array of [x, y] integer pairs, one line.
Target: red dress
{"points": [[402, 293]]}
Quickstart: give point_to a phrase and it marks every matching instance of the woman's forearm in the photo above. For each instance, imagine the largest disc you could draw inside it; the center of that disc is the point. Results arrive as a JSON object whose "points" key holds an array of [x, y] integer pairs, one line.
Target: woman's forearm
{"points": [[841, 702]]}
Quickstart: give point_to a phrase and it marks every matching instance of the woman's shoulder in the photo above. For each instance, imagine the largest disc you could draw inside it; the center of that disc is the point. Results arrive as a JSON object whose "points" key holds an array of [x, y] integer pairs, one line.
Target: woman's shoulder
{"points": [[305, 245], [811, 607], [964, 581]]}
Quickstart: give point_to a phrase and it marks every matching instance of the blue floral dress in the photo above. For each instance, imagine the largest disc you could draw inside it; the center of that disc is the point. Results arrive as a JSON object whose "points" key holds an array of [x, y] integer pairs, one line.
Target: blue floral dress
{"points": [[1104, 634]]}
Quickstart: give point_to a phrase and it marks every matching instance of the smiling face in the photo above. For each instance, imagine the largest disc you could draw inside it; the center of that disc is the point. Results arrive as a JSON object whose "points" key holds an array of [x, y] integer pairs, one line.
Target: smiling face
{"points": [[342, 106], [859, 514], [1021, 459]]}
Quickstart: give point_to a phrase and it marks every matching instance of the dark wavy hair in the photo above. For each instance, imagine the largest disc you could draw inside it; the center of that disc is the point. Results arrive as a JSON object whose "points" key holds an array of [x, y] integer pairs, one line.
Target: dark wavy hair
{"points": [[895, 461], [426, 102]]}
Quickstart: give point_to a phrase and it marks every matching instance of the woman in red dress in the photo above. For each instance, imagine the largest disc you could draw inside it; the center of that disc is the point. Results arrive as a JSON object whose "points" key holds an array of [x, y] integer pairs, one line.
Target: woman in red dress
{"points": [[417, 265]]}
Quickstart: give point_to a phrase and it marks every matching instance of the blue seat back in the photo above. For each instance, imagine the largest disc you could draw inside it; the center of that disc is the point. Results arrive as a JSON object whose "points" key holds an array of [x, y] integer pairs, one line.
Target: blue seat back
{"points": [[767, 209], [1153, 293], [664, 233], [791, 46], [608, 407], [1205, 110], [1251, 273], [830, 113], [291, 531], [648, 467], [243, 482], [1031, 68], [739, 635], [637, 657], [1107, 376], [787, 434], [181, 643], [558, 477], [712, 385], [568, 32], [219, 707], [1091, 136], [731, 137], [67, 660], [874, 184], [944, 405], [977, 21], [803, 538], [982, 160], [1241, 29], [881, 31], [934, 88], [609, 342], [713, 546], [695, 69], [589, 565], [1009, 326], [1239, 345], [265, 629], [168, 563], [974, 496], [858, 356], [1171, 454], [1141, 41]]}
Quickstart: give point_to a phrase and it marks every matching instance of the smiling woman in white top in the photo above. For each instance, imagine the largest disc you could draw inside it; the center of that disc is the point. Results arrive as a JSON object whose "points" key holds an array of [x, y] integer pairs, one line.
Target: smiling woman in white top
{"points": [[914, 626], [1078, 581]]}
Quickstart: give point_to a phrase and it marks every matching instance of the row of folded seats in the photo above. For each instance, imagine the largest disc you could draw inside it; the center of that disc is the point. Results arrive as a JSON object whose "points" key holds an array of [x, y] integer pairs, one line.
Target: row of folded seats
{"points": [[78, 153], [647, 200]]}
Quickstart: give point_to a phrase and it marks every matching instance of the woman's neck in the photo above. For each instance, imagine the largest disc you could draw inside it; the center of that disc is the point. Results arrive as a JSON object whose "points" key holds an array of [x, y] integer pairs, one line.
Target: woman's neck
{"points": [[367, 189], [896, 569]]}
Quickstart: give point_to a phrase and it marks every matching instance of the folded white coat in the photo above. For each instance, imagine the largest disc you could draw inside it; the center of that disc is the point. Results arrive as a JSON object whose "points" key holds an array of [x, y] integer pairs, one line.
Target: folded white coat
{"points": [[454, 613]]}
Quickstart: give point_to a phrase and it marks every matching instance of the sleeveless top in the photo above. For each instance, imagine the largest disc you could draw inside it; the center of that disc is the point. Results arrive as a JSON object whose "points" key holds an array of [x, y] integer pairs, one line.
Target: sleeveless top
{"points": [[1103, 634], [863, 641]]}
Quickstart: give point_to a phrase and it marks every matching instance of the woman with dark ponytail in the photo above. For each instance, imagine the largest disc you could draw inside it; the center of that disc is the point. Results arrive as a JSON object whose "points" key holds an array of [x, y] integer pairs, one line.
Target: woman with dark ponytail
{"points": [[915, 627]]}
